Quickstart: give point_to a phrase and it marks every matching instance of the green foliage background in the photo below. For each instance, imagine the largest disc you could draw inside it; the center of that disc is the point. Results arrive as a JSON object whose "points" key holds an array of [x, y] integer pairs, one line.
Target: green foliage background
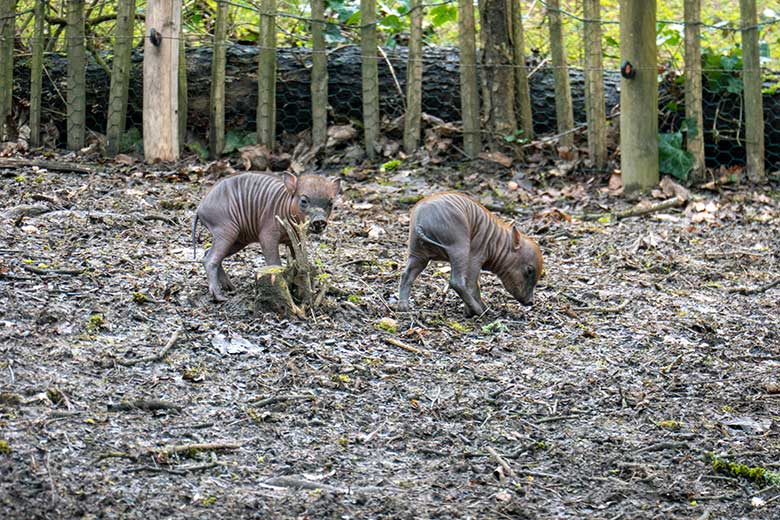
{"points": [[440, 25]]}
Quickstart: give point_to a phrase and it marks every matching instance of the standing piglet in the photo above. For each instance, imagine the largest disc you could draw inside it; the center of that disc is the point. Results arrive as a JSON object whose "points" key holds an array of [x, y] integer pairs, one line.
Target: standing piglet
{"points": [[454, 228], [243, 209]]}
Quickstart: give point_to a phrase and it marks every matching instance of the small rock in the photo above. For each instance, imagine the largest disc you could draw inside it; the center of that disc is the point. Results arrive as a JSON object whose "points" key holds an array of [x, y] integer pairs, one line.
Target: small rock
{"points": [[772, 387], [375, 231]]}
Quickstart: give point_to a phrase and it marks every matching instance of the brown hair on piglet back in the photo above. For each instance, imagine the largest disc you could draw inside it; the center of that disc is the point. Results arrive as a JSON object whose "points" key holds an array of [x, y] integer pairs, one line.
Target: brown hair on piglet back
{"points": [[454, 228]]}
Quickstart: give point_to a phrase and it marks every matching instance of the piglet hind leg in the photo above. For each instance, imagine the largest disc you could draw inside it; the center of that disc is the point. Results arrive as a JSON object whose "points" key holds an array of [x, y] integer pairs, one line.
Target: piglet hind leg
{"points": [[212, 261], [414, 267], [464, 279], [222, 277]]}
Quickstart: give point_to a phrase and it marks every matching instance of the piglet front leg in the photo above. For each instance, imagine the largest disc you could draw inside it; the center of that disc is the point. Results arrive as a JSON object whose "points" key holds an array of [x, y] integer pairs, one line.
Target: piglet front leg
{"points": [[464, 279]]}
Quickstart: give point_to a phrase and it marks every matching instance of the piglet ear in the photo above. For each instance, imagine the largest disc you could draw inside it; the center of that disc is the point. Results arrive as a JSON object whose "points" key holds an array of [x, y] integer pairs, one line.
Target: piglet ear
{"points": [[517, 237], [336, 183], [290, 182]]}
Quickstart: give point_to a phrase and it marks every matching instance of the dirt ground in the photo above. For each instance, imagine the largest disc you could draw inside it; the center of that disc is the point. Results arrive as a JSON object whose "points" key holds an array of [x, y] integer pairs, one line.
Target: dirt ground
{"points": [[638, 360]]}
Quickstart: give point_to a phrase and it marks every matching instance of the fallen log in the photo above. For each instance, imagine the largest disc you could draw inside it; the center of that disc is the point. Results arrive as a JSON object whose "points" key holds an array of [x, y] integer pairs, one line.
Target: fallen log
{"points": [[440, 96], [723, 133]]}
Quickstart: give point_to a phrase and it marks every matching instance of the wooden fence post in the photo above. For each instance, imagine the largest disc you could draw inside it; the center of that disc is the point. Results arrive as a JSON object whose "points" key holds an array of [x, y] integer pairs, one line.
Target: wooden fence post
{"points": [[639, 96], [120, 74], [469, 95], [266, 76], [414, 70], [521, 74], [161, 80], [7, 25], [217, 120], [77, 93], [319, 76], [564, 112], [36, 73], [751, 80], [183, 102], [370, 76], [594, 85], [693, 94], [499, 75]]}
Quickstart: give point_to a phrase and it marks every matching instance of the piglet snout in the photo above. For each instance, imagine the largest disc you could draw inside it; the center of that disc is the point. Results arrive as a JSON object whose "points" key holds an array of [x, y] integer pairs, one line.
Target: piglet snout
{"points": [[318, 226]]}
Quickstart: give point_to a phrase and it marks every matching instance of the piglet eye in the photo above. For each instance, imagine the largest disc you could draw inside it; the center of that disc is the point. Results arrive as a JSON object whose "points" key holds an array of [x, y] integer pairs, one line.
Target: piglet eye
{"points": [[304, 202], [529, 271]]}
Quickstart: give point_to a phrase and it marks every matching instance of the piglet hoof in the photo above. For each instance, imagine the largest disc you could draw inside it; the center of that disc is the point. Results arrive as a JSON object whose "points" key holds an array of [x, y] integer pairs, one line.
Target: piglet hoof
{"points": [[218, 297], [475, 313], [402, 307]]}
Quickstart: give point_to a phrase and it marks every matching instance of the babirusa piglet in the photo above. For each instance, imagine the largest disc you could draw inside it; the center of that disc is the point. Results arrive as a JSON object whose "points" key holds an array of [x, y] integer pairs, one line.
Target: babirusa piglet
{"points": [[243, 209], [454, 228]]}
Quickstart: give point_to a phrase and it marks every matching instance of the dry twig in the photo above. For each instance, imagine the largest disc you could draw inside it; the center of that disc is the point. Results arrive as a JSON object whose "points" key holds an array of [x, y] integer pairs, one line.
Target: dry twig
{"points": [[259, 403], [402, 345], [7, 162], [755, 290], [507, 470], [149, 405], [157, 357]]}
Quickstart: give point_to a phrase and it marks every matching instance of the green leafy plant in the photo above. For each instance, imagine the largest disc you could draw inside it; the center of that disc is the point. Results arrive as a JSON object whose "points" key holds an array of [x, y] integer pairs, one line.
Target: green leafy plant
{"points": [[672, 158], [235, 139], [722, 71]]}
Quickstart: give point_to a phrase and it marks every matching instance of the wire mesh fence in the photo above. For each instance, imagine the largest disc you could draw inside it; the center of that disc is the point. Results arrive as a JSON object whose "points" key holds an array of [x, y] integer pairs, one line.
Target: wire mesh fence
{"points": [[722, 71]]}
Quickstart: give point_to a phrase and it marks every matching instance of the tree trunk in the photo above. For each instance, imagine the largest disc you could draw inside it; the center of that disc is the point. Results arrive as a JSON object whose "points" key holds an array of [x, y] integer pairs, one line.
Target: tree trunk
{"points": [[77, 95], [693, 85], [751, 79], [266, 76], [36, 73], [499, 72], [217, 124], [521, 72], [370, 76], [319, 75], [7, 25], [594, 86], [120, 75], [639, 96], [563, 108], [414, 80], [469, 95]]}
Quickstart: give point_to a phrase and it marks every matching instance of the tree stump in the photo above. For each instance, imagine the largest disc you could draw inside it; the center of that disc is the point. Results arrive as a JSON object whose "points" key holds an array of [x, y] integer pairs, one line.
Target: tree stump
{"points": [[296, 288]]}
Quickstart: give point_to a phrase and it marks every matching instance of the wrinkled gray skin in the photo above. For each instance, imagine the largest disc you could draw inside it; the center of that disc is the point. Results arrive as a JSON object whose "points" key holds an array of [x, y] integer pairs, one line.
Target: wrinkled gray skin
{"points": [[241, 210], [454, 228]]}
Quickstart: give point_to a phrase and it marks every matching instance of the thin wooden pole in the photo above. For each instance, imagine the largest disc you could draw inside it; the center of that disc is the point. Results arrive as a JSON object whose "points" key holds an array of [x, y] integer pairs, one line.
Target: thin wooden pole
{"points": [[266, 76], [36, 73], [7, 25], [693, 93], [370, 76], [469, 95], [521, 73], [161, 80], [217, 122], [120, 75], [563, 107], [594, 85], [76, 96], [319, 75], [639, 96], [751, 80], [182, 79], [414, 70]]}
